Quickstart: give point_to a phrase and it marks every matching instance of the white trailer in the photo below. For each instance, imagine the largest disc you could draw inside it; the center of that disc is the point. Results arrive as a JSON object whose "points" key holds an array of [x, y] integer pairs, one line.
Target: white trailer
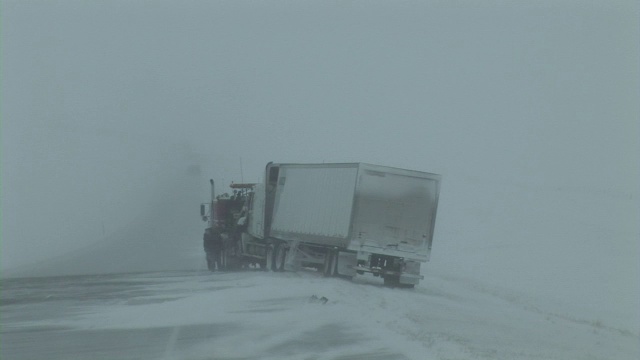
{"points": [[343, 219]]}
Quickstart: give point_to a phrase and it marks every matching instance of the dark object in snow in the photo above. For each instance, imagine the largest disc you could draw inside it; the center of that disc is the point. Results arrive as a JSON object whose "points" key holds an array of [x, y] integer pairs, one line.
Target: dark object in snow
{"points": [[314, 299]]}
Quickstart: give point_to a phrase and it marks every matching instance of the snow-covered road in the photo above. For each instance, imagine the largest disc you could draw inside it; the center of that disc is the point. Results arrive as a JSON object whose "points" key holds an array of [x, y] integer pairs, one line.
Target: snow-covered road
{"points": [[257, 315]]}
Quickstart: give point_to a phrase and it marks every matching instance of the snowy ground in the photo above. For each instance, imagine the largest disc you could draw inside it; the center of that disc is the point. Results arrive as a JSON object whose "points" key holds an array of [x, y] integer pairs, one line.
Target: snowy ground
{"points": [[257, 315]]}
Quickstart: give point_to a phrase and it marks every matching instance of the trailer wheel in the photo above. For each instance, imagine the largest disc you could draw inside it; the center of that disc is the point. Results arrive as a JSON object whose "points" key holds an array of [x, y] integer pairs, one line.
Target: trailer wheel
{"points": [[334, 263], [394, 281], [269, 265], [391, 281], [279, 256], [327, 264], [330, 263]]}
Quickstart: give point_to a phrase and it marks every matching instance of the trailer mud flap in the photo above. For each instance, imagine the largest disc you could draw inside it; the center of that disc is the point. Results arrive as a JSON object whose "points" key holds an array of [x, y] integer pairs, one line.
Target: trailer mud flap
{"points": [[411, 273], [346, 263], [410, 279]]}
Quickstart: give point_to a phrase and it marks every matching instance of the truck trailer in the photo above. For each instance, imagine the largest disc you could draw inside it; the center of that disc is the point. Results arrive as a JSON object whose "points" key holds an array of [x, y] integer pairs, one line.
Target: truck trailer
{"points": [[343, 219]]}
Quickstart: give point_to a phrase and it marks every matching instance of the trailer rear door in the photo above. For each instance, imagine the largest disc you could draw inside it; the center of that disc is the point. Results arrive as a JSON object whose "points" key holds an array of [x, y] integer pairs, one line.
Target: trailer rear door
{"points": [[395, 211]]}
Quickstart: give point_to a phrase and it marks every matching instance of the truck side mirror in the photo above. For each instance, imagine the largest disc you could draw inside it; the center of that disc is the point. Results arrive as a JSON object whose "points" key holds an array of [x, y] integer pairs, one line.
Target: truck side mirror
{"points": [[202, 210]]}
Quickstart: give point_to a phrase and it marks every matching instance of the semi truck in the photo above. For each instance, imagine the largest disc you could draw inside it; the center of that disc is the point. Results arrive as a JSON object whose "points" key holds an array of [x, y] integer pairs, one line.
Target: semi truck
{"points": [[343, 219]]}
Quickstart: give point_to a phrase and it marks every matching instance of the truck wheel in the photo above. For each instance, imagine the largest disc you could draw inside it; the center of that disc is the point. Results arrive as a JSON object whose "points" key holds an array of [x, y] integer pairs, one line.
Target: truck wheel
{"points": [[279, 255], [223, 260], [210, 264]]}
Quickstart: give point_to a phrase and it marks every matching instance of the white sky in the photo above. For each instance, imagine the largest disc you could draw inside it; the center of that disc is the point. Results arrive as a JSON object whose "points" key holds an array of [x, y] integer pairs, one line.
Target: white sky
{"points": [[105, 104]]}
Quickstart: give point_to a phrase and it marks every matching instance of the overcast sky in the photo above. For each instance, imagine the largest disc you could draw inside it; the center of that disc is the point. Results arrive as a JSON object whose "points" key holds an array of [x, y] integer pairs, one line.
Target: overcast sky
{"points": [[107, 104]]}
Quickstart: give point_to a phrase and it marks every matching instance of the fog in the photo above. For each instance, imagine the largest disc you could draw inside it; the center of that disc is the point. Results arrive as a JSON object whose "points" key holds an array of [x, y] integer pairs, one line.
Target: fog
{"points": [[116, 113]]}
